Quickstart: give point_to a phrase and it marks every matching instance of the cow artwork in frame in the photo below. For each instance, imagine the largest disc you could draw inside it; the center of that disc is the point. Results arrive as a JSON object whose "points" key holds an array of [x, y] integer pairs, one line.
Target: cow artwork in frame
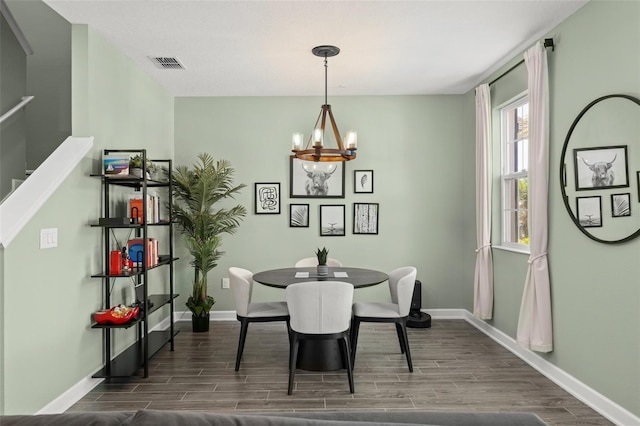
{"points": [[601, 167], [321, 179]]}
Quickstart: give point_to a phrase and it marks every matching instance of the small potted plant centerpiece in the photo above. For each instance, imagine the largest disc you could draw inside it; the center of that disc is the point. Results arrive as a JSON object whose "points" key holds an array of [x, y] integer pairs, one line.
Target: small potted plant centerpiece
{"points": [[196, 191], [323, 269]]}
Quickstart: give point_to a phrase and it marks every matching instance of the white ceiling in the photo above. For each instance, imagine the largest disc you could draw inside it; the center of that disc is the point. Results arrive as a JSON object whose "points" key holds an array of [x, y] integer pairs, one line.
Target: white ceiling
{"points": [[263, 47]]}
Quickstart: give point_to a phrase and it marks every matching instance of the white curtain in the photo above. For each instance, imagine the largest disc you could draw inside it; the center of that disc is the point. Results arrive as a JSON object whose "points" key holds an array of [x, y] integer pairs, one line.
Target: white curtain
{"points": [[534, 325], [483, 282]]}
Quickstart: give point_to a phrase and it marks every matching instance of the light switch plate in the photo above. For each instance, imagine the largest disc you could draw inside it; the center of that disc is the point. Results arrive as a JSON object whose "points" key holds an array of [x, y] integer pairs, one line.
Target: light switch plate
{"points": [[225, 283], [48, 238]]}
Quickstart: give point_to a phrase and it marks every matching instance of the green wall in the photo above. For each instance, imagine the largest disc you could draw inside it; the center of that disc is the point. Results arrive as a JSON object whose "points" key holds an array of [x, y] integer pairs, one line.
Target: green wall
{"points": [[594, 287], [414, 145], [48, 294], [13, 82]]}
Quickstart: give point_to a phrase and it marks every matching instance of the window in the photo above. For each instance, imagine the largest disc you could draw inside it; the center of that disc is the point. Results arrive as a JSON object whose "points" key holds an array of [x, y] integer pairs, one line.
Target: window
{"points": [[515, 180]]}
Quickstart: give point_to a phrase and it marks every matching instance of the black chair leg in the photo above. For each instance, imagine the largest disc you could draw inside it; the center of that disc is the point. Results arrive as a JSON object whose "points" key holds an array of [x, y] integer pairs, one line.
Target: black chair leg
{"points": [[406, 345], [293, 359], [244, 325], [354, 340], [344, 344], [400, 339]]}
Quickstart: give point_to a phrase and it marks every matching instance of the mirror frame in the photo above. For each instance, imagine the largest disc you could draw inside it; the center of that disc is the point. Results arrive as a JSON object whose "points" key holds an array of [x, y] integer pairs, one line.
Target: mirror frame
{"points": [[563, 180]]}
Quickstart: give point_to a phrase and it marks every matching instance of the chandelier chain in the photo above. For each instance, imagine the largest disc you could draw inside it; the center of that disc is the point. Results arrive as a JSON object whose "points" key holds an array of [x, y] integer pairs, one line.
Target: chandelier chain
{"points": [[325, 78]]}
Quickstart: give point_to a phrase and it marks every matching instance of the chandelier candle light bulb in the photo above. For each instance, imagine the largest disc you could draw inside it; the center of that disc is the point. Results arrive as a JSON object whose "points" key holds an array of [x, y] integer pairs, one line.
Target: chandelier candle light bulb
{"points": [[351, 140], [317, 137], [297, 141]]}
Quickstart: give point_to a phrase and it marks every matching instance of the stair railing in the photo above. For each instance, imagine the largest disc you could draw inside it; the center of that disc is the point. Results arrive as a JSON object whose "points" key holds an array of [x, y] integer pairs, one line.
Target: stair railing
{"points": [[25, 100]]}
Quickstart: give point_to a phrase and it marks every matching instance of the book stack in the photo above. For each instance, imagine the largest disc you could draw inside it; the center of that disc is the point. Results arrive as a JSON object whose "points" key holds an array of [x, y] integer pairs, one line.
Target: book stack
{"points": [[136, 211], [136, 252]]}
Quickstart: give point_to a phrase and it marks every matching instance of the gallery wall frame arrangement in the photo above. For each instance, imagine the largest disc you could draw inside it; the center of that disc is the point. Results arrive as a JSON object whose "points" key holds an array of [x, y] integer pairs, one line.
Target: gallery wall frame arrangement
{"points": [[621, 205], [267, 198], [589, 211], [363, 181], [298, 215], [332, 220], [309, 179], [601, 167], [365, 218]]}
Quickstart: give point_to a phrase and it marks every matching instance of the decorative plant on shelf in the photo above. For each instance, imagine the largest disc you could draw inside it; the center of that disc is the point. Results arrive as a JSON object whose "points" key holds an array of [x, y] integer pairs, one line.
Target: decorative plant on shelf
{"points": [[196, 191], [323, 269], [135, 162]]}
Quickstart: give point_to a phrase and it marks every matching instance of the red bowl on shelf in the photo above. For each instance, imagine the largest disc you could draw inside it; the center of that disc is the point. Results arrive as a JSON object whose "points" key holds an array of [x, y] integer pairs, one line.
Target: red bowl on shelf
{"points": [[116, 315]]}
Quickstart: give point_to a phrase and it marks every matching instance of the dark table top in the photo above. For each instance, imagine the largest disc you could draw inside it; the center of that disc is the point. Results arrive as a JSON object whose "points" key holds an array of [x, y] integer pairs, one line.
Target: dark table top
{"points": [[280, 278]]}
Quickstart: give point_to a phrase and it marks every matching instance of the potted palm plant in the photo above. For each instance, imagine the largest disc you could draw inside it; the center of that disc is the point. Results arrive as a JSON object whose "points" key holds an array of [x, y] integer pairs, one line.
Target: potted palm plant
{"points": [[196, 191]]}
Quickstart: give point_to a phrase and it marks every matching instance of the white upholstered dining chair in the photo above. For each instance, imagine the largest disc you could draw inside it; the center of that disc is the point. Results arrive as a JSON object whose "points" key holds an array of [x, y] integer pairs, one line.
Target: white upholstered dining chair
{"points": [[319, 310], [401, 283], [313, 261], [241, 283]]}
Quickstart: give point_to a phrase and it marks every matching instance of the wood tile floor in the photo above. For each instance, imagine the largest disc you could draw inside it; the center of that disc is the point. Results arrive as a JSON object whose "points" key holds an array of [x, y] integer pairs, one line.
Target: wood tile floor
{"points": [[456, 368]]}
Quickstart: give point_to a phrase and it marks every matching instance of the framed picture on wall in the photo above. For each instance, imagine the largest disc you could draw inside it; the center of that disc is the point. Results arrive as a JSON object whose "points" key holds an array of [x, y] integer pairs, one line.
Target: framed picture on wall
{"points": [[601, 168], [621, 205], [299, 215], [311, 179], [589, 211], [267, 198], [332, 220], [365, 218], [363, 181]]}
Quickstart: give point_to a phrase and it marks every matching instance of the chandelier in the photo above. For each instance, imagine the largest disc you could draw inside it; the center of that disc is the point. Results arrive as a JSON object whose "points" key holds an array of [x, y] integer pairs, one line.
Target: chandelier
{"points": [[317, 151]]}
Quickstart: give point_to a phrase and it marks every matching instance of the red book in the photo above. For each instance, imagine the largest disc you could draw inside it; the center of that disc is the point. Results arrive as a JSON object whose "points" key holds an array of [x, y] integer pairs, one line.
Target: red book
{"points": [[135, 209]]}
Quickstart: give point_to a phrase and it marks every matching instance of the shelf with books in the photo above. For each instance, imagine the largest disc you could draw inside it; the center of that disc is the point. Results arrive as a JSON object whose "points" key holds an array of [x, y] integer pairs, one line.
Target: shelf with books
{"points": [[132, 256]]}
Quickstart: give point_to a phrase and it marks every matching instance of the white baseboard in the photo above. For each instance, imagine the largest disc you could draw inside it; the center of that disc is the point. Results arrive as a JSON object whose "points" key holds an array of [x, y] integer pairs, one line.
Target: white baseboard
{"points": [[598, 402], [70, 396], [215, 316]]}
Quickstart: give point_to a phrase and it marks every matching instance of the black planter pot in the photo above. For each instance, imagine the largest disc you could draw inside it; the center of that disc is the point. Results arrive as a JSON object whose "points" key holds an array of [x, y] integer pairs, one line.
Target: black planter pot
{"points": [[200, 323]]}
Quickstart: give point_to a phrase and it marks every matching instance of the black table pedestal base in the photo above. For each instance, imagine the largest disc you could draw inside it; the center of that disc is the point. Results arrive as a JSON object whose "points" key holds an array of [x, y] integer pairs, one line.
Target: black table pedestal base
{"points": [[320, 355]]}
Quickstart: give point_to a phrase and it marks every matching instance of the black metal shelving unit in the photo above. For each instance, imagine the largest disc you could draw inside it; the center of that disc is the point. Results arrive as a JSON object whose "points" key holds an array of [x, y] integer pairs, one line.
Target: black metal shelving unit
{"points": [[137, 356]]}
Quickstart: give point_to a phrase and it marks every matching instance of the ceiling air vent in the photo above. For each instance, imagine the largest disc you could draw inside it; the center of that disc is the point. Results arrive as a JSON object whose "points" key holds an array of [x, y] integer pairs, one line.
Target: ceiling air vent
{"points": [[167, 63]]}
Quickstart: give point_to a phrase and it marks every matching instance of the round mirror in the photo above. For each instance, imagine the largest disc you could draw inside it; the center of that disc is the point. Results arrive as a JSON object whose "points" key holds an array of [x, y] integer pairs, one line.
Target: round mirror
{"points": [[599, 169]]}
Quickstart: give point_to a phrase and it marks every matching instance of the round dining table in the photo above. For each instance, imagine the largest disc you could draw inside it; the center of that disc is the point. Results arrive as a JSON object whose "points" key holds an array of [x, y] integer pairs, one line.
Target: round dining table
{"points": [[320, 355], [359, 277]]}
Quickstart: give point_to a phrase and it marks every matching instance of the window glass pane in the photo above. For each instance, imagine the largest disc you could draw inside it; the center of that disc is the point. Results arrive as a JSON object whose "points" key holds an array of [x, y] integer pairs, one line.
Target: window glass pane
{"points": [[510, 194], [523, 211], [521, 155], [522, 119]]}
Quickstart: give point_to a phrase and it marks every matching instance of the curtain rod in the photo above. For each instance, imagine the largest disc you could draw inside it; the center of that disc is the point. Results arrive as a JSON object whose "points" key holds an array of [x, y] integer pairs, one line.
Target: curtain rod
{"points": [[548, 42]]}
